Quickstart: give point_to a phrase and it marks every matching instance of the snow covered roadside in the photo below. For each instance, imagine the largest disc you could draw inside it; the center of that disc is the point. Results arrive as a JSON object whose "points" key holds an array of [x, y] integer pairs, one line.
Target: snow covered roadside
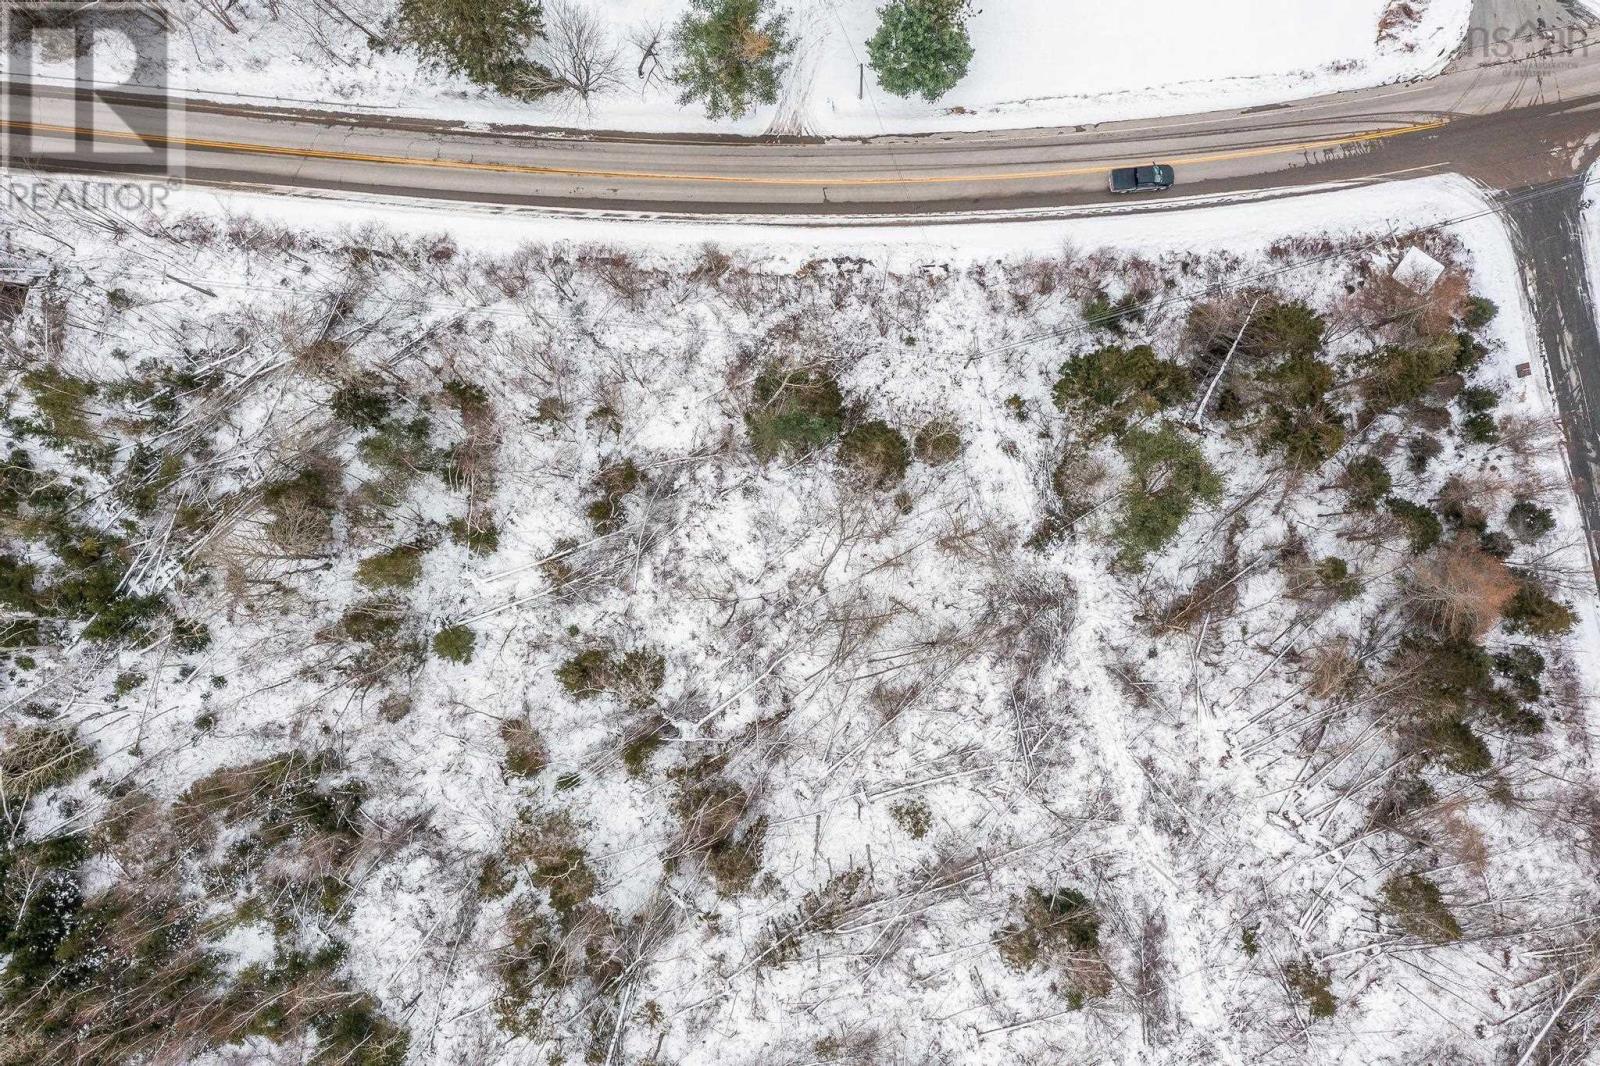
{"points": [[1036, 63], [1145, 776]]}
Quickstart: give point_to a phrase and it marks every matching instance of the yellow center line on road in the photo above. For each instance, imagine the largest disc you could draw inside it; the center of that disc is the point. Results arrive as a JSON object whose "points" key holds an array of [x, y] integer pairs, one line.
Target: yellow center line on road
{"points": [[247, 148]]}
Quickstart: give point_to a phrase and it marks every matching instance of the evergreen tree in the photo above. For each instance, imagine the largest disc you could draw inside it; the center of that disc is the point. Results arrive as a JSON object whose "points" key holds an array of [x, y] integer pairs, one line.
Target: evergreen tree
{"points": [[486, 40], [730, 55], [921, 47]]}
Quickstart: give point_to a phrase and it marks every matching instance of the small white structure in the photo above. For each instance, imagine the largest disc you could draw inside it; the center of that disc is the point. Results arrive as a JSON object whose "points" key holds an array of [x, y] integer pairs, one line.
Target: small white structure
{"points": [[1418, 271]]}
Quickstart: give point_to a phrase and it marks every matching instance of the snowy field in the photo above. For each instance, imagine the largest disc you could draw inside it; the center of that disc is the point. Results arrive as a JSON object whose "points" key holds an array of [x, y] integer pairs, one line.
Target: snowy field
{"points": [[1036, 63], [755, 762]]}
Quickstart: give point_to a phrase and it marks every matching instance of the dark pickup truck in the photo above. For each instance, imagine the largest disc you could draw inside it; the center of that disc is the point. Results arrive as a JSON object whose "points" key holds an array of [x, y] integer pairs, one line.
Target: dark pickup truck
{"points": [[1154, 178]]}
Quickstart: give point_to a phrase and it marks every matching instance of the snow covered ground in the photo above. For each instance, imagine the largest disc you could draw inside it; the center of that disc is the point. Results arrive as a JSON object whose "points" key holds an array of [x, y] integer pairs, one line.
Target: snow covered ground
{"points": [[1037, 63], [931, 707]]}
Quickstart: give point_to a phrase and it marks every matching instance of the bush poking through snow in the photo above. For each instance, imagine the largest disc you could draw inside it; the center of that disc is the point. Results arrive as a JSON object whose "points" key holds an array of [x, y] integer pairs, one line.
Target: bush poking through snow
{"points": [[1312, 987], [794, 412], [711, 808], [525, 751], [1529, 522], [1477, 312], [914, 816], [398, 568], [1168, 474], [938, 443], [1522, 666], [635, 676], [1419, 907], [302, 508], [1060, 930], [921, 47], [1535, 612], [1400, 375], [39, 757], [615, 482], [478, 535], [1366, 481], [1115, 386], [876, 453], [731, 55], [1420, 525], [455, 643], [547, 845]]}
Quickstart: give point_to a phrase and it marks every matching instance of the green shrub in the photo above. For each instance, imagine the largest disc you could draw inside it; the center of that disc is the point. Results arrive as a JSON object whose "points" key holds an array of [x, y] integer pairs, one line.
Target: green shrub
{"points": [[1480, 429], [485, 40], [914, 816], [1305, 437], [360, 405], [876, 453], [1168, 474], [1401, 375], [17, 584], [1100, 313], [1312, 987], [478, 535], [937, 443], [39, 757], [1504, 708], [356, 1034], [525, 751], [1528, 521], [795, 412], [400, 448], [455, 643], [1420, 908], [1461, 750], [636, 753], [616, 481], [375, 621], [1534, 611], [1522, 666], [1366, 481], [1114, 385], [734, 861], [302, 508], [1469, 353], [1060, 921], [471, 399], [1333, 574], [1478, 399], [1290, 331], [586, 674], [146, 475], [1420, 451], [730, 55], [921, 47], [1421, 526], [397, 568], [61, 399], [1477, 312]]}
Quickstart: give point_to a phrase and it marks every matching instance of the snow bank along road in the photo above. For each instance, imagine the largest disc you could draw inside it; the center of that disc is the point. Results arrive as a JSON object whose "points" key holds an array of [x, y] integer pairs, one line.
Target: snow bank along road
{"points": [[1511, 114]]}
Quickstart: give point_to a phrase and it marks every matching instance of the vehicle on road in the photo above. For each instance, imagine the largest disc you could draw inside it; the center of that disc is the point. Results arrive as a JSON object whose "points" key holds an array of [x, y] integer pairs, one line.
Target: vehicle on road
{"points": [[1157, 177]]}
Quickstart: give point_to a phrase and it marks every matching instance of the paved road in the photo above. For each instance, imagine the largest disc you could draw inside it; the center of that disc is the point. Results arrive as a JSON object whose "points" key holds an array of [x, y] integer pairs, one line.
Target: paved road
{"points": [[1546, 224], [1500, 114]]}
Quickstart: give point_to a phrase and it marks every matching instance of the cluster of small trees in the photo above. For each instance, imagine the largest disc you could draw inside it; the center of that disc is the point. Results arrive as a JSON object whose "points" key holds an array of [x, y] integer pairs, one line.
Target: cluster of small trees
{"points": [[729, 56]]}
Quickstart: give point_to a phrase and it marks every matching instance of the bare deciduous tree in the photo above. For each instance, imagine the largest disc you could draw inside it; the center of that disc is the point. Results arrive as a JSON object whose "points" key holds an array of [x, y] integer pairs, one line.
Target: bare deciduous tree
{"points": [[578, 55]]}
